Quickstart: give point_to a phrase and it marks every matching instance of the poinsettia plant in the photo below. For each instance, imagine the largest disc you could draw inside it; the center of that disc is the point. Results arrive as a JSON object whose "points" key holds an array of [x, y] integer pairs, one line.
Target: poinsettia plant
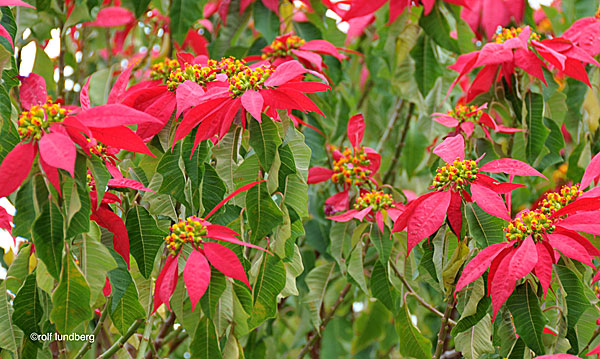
{"points": [[299, 179]]}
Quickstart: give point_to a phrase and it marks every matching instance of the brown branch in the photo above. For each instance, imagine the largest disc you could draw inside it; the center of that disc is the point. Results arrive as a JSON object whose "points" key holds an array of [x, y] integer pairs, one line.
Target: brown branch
{"points": [[443, 329], [391, 124], [164, 329], [400, 145]]}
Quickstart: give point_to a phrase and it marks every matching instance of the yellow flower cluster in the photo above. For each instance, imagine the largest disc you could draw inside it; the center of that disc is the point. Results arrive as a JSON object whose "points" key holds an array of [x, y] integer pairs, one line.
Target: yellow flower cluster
{"points": [[458, 174], [460, 113], [163, 69], [33, 123], [199, 74], [511, 33], [376, 199], [282, 48], [531, 223], [190, 230], [248, 79], [557, 200], [350, 169]]}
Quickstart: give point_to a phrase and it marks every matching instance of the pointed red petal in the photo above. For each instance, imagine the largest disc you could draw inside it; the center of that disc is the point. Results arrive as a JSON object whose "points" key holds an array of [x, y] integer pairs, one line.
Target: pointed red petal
{"points": [[226, 234], [233, 194], [510, 166], [196, 276], [32, 91], [489, 201], [113, 115], [58, 151], [127, 183], [543, 267], [15, 167], [159, 280], [253, 103], [285, 72], [121, 137], [502, 288], [427, 218], [588, 222], [478, 265], [120, 87], [451, 149], [524, 259], [592, 172], [455, 213], [169, 281], [51, 174], [319, 174], [356, 130], [225, 260], [84, 97], [570, 248], [310, 57]]}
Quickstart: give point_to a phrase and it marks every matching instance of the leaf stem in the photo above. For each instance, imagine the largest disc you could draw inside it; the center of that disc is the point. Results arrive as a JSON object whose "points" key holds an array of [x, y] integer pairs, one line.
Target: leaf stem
{"points": [[145, 338], [86, 346], [121, 341], [400, 145], [444, 328]]}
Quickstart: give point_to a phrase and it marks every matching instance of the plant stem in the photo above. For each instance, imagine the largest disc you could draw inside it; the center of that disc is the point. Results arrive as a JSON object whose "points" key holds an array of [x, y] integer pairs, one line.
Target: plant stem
{"points": [[86, 346], [326, 320], [164, 329], [420, 299], [145, 337], [121, 341], [391, 124], [443, 329], [400, 145]]}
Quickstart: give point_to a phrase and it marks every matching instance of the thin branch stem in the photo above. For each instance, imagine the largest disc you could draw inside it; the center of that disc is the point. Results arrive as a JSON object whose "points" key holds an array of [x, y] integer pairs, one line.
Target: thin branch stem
{"points": [[145, 338], [444, 329], [121, 341], [391, 124], [420, 299], [400, 145], [86, 346], [164, 329]]}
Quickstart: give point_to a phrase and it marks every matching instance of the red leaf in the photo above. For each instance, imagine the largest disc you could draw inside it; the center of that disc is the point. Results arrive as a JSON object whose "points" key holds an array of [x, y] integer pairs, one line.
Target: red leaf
{"points": [[374, 159], [455, 213], [127, 183], [32, 91], [225, 260], [51, 174], [5, 219], [15, 3], [305, 86], [581, 204], [253, 103], [338, 202], [188, 95], [159, 280], [402, 221], [588, 222], [543, 267], [351, 214], [111, 221], [356, 130], [121, 137], [592, 172], [107, 289], [483, 81], [15, 167], [363, 7], [112, 16], [478, 265], [489, 201], [233, 194], [494, 53], [501, 288], [498, 187], [530, 63], [162, 109], [113, 115], [510, 166], [444, 119], [84, 97], [323, 47], [524, 259], [196, 276], [285, 72], [226, 234], [118, 90], [590, 248], [559, 356], [427, 218], [451, 149], [570, 248], [169, 281], [319, 174], [310, 57], [58, 151]]}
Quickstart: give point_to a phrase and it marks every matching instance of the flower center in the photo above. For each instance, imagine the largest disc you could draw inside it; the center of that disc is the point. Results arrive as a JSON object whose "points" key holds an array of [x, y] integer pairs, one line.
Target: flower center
{"points": [[376, 199], [162, 70], [456, 175], [350, 169], [511, 33], [248, 79], [532, 223], [282, 47], [199, 74], [190, 230], [33, 123], [460, 113], [557, 200]]}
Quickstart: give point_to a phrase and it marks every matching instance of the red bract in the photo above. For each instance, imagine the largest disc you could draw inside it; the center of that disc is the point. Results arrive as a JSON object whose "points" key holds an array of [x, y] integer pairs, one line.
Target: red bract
{"points": [[291, 47], [425, 215], [253, 90], [366, 7], [487, 15], [534, 239], [374, 205], [464, 119], [353, 167], [6, 222], [521, 48], [48, 128], [585, 33], [112, 17], [196, 274]]}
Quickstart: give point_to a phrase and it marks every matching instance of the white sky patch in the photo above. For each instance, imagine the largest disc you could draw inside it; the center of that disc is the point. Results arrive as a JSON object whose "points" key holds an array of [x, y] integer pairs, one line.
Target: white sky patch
{"points": [[536, 4], [53, 47]]}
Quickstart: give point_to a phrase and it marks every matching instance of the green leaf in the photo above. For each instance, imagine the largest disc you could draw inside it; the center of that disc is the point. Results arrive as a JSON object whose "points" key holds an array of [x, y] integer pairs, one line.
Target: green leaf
{"points": [[414, 151], [213, 188], [536, 131], [412, 343], [101, 176], [270, 281], [317, 281], [119, 279], [145, 238], [264, 139], [528, 317], [173, 181], [205, 344], [427, 68], [48, 237], [71, 299], [210, 299], [296, 195], [10, 334], [127, 310], [577, 302], [471, 320], [28, 310], [436, 26], [262, 212], [25, 216], [19, 269], [355, 268], [95, 261], [484, 228], [183, 14], [79, 205], [381, 287], [266, 21], [477, 340], [8, 134], [368, 326]]}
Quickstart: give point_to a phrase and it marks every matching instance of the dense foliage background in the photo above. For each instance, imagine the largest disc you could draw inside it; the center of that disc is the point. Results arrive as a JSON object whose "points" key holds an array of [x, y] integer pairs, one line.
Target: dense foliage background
{"points": [[278, 179]]}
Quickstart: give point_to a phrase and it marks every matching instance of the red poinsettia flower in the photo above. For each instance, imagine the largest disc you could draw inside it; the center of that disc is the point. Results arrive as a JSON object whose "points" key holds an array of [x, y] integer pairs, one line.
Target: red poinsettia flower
{"points": [[352, 167], [365, 7], [464, 118], [426, 214], [254, 90], [521, 48], [585, 33], [54, 130], [196, 274], [291, 47], [534, 239], [487, 15], [375, 206]]}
